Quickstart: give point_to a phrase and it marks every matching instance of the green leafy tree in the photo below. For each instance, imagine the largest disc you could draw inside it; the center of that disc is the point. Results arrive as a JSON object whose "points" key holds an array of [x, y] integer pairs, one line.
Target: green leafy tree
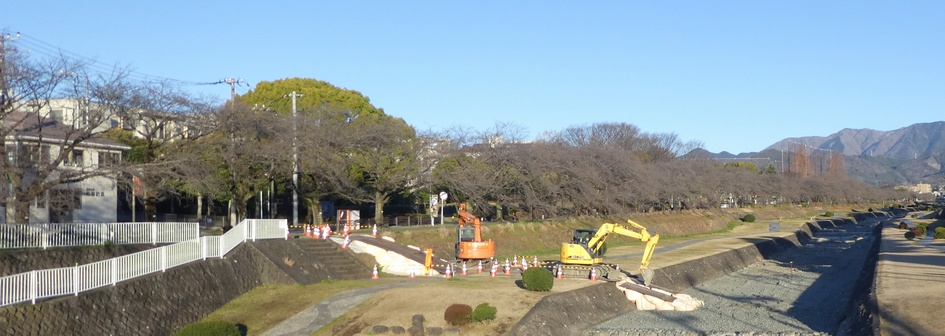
{"points": [[323, 133]]}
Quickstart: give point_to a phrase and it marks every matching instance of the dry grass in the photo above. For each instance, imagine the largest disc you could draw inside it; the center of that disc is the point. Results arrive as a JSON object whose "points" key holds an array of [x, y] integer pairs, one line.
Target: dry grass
{"points": [[389, 307], [263, 307]]}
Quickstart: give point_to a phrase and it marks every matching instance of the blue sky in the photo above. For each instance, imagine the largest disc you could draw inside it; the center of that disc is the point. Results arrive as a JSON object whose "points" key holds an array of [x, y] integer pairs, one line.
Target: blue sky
{"points": [[736, 75]]}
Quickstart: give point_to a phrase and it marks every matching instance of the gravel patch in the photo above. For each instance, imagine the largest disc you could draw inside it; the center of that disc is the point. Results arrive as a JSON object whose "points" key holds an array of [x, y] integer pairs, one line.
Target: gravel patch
{"points": [[800, 291]]}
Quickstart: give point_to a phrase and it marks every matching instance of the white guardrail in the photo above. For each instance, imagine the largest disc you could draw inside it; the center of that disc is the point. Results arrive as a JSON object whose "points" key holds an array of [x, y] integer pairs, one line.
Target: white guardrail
{"points": [[40, 284], [17, 236]]}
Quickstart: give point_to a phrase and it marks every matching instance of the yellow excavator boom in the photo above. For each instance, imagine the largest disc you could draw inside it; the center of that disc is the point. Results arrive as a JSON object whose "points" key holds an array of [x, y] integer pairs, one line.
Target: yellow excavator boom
{"points": [[587, 249]]}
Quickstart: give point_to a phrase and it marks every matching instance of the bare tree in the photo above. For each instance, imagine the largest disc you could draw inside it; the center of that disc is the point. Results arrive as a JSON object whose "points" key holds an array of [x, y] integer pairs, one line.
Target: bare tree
{"points": [[236, 161], [46, 150]]}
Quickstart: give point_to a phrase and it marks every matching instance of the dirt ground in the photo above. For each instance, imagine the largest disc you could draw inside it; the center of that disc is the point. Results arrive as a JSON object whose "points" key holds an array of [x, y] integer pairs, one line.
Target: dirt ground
{"points": [[396, 307]]}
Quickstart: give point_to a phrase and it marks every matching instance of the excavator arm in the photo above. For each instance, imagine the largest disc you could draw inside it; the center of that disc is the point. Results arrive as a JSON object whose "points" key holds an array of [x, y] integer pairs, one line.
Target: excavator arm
{"points": [[467, 218], [597, 242]]}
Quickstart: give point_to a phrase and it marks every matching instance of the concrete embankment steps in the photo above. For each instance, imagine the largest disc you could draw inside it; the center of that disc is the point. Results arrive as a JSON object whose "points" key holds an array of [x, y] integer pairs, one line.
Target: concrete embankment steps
{"points": [[308, 260], [572, 312], [340, 264]]}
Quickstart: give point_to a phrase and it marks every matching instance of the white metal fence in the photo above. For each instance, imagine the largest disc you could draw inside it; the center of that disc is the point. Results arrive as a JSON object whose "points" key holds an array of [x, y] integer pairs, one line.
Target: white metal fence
{"points": [[14, 236], [40, 284]]}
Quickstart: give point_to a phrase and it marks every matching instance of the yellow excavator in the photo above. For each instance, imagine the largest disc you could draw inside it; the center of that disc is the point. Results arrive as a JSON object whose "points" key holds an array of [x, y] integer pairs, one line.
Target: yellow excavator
{"points": [[587, 248]]}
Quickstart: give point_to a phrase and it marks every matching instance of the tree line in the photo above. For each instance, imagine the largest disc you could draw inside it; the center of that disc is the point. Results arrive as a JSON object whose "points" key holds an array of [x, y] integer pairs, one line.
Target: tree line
{"points": [[338, 145]]}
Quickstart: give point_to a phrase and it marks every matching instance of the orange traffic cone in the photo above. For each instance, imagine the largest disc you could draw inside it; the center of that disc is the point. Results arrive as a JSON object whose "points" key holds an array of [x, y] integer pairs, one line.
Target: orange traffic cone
{"points": [[494, 269], [464, 269], [535, 261], [346, 230], [374, 273], [479, 269], [593, 274], [560, 274], [374, 231], [515, 261], [412, 273], [347, 241], [449, 272]]}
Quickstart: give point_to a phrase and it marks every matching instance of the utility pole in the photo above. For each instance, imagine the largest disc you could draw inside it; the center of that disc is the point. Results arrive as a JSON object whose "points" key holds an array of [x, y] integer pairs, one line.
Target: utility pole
{"points": [[233, 82], [295, 161], [6, 93]]}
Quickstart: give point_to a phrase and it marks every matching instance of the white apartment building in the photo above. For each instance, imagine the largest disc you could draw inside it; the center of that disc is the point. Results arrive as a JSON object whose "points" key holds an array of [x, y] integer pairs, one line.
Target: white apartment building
{"points": [[31, 144]]}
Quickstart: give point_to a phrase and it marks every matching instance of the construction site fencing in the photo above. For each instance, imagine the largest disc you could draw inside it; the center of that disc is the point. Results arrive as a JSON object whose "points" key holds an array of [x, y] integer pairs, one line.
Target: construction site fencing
{"points": [[26, 236], [40, 284]]}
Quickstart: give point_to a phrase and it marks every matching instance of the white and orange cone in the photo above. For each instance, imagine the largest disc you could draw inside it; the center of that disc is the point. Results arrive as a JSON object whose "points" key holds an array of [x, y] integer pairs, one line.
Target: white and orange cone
{"points": [[345, 230], [374, 273], [464, 269], [449, 272], [374, 231], [560, 274], [593, 274], [493, 271], [515, 261], [413, 274], [479, 268], [347, 241], [535, 261]]}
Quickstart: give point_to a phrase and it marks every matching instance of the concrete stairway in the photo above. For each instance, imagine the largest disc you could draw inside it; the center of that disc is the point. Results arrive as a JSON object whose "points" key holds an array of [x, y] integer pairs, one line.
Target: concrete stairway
{"points": [[340, 264], [308, 260]]}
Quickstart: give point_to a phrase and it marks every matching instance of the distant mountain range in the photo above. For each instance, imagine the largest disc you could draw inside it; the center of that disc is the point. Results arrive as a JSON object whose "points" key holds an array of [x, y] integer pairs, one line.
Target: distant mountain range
{"points": [[912, 154]]}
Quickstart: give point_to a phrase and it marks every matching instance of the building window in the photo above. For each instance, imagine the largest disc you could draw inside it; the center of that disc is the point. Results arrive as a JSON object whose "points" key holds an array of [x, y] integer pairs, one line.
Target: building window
{"points": [[57, 116], [34, 154], [76, 158], [107, 159]]}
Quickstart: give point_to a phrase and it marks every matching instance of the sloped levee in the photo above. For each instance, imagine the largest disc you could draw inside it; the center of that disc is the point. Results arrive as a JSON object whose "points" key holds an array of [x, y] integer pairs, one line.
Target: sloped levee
{"points": [[162, 303], [571, 312]]}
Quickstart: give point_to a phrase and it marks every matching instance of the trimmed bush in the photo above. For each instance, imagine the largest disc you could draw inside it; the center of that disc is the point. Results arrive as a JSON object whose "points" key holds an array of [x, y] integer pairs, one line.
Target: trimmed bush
{"points": [[939, 233], [458, 314], [749, 218], [484, 312], [921, 229], [828, 214], [209, 328], [538, 279]]}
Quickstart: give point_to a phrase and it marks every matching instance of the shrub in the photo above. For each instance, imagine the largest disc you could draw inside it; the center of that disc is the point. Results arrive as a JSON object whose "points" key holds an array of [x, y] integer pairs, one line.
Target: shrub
{"points": [[538, 279], [749, 218], [921, 229], [209, 328], [484, 312], [828, 214], [457, 314], [939, 233]]}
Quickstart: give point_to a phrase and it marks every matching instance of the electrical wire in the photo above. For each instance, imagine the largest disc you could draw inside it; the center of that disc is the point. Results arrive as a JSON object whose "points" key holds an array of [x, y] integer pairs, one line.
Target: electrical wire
{"points": [[34, 45]]}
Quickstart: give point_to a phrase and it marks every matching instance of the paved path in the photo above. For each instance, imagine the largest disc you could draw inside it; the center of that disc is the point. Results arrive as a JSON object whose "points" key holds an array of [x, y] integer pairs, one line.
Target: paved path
{"points": [[309, 320], [910, 282]]}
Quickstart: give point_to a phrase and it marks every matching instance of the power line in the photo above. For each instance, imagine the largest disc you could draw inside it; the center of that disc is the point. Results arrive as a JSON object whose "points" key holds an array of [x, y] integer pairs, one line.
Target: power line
{"points": [[34, 45]]}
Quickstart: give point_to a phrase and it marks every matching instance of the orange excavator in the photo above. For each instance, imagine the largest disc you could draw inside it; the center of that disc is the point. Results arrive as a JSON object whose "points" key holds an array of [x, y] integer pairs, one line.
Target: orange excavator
{"points": [[469, 243]]}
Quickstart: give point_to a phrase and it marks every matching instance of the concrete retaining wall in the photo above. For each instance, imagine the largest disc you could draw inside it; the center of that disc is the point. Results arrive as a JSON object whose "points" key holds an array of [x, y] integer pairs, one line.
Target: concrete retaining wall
{"points": [[571, 312], [157, 304]]}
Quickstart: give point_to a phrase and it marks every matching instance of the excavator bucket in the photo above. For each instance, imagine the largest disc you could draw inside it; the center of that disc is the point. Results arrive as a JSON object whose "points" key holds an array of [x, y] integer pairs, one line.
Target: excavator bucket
{"points": [[647, 275]]}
